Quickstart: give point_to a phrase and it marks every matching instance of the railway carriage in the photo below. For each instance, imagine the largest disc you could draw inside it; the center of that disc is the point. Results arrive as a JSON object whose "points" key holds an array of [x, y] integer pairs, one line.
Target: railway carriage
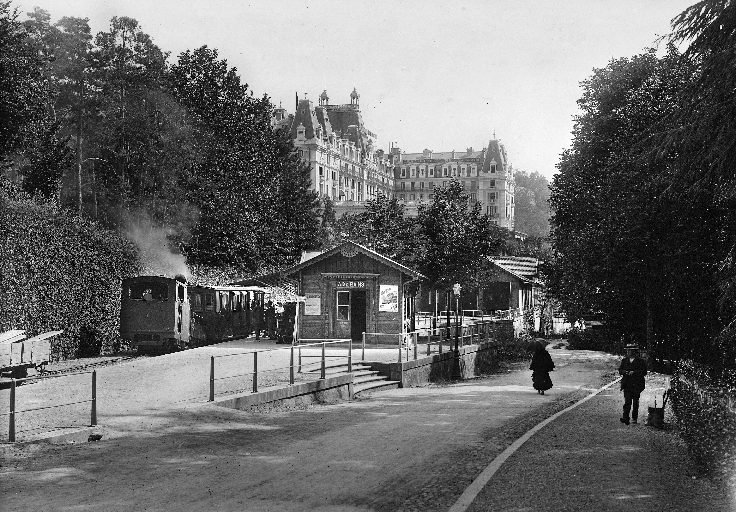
{"points": [[161, 314]]}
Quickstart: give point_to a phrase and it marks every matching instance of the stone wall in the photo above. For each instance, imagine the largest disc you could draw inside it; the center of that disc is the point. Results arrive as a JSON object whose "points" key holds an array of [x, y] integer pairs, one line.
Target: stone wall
{"points": [[472, 361], [327, 391]]}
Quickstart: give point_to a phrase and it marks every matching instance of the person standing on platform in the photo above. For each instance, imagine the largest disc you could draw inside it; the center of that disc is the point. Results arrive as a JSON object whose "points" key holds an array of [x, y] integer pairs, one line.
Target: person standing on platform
{"points": [[633, 369], [257, 318], [541, 365], [270, 320]]}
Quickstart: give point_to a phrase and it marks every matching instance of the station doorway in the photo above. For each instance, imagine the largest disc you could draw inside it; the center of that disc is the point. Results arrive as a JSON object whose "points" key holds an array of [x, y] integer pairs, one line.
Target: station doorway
{"points": [[358, 314]]}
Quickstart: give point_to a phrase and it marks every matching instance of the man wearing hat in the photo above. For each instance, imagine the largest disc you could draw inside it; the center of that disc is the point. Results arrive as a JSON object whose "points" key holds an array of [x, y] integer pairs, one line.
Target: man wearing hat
{"points": [[633, 369]]}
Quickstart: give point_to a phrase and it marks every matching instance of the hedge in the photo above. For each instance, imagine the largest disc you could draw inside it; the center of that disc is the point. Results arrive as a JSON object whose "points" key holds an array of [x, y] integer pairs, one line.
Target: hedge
{"points": [[61, 272], [704, 403]]}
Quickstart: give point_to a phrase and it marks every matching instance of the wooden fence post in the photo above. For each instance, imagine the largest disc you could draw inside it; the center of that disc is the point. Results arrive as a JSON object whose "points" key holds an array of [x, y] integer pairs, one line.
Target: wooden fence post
{"points": [[11, 423], [94, 398], [350, 355], [291, 366], [212, 379], [255, 372]]}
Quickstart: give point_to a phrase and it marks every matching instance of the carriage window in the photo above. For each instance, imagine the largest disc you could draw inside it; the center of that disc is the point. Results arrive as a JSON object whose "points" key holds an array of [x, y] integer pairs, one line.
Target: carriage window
{"points": [[196, 300], [148, 290], [235, 299], [180, 292], [209, 301], [343, 305], [223, 301]]}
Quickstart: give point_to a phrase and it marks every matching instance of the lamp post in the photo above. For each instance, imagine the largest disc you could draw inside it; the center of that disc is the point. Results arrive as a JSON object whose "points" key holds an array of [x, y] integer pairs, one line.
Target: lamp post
{"points": [[456, 359]]}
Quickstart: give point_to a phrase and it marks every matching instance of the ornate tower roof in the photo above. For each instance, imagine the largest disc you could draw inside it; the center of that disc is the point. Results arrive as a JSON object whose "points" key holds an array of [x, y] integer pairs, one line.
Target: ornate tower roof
{"points": [[323, 98]]}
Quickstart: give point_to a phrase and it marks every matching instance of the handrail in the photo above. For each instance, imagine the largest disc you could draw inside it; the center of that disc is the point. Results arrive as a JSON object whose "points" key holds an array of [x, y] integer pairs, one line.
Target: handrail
{"points": [[255, 371], [13, 411]]}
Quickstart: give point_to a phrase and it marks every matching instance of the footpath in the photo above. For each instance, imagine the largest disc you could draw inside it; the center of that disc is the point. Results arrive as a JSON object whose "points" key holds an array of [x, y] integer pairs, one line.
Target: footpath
{"points": [[586, 459]]}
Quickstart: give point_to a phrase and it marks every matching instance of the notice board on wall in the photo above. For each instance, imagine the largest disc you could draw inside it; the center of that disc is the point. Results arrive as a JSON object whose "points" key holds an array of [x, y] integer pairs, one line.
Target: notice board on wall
{"points": [[388, 299], [313, 304]]}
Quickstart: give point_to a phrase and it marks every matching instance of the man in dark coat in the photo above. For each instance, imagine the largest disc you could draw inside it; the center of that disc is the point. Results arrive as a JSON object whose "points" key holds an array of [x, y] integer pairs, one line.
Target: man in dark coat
{"points": [[633, 369]]}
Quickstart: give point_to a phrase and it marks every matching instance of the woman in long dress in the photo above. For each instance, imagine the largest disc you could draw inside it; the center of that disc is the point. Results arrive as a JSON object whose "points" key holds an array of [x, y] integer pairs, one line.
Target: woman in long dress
{"points": [[541, 365]]}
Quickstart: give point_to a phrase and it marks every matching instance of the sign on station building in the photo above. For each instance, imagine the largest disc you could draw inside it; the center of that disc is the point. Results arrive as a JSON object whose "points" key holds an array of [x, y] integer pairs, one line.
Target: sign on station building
{"points": [[350, 290]]}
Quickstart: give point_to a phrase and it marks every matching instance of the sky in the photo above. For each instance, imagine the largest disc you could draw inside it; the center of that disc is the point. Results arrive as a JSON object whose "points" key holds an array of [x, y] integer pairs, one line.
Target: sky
{"points": [[431, 74]]}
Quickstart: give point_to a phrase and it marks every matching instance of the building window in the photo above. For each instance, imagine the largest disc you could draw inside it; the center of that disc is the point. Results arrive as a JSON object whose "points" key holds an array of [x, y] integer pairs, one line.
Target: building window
{"points": [[402, 197], [412, 197], [431, 184], [403, 172], [444, 184], [444, 171], [493, 167], [321, 171], [421, 184], [473, 197], [421, 172], [413, 172], [431, 172], [403, 186], [421, 197], [343, 305], [431, 196], [412, 185], [492, 183]]}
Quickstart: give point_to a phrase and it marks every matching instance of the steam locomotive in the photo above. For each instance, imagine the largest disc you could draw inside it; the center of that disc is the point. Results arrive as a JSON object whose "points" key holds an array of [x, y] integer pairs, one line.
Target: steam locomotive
{"points": [[162, 314]]}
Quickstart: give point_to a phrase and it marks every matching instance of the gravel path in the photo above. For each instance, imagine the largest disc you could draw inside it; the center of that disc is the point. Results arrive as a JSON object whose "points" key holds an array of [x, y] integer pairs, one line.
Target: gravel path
{"points": [[587, 460]]}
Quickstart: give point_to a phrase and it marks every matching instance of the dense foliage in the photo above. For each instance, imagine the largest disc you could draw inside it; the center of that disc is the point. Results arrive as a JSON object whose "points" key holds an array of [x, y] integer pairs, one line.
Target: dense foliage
{"points": [[632, 237], [450, 241], [531, 199], [703, 403], [60, 273], [108, 127]]}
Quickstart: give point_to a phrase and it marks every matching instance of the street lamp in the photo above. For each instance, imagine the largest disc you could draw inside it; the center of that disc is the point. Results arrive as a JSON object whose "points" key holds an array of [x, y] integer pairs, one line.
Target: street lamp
{"points": [[456, 359]]}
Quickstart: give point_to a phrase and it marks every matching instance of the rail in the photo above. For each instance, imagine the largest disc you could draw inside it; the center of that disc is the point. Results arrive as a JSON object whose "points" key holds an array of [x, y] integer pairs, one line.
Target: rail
{"points": [[13, 411], [254, 375], [435, 339]]}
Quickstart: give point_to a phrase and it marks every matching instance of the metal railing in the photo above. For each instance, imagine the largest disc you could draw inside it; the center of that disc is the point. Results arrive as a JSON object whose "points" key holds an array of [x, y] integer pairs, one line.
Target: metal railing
{"points": [[439, 338], [13, 411], [254, 375], [445, 337]]}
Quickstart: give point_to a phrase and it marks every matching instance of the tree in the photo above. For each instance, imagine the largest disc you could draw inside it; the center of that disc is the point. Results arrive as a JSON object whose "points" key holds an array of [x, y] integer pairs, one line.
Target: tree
{"points": [[133, 115], [701, 141], [29, 135], [626, 242], [457, 240], [383, 227], [255, 208], [531, 198]]}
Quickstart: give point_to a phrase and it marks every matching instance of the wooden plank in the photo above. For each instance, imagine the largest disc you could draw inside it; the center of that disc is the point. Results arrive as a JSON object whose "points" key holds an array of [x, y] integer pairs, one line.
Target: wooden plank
{"points": [[40, 351], [44, 336], [12, 336], [16, 354], [4, 355]]}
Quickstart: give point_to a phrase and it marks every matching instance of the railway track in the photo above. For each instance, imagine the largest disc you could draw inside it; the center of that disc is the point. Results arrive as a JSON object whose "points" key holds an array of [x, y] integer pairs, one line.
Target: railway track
{"points": [[77, 368], [89, 366]]}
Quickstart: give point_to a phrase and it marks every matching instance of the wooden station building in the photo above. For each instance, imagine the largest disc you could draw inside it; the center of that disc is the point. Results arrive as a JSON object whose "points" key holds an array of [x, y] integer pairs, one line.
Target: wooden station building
{"points": [[350, 290]]}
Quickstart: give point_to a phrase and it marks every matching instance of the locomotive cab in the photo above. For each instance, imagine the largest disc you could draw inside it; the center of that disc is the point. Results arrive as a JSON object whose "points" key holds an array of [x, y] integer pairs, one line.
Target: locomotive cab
{"points": [[154, 313]]}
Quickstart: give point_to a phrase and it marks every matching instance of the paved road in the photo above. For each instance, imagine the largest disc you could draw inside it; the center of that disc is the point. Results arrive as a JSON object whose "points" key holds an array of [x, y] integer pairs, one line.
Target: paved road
{"points": [[404, 449]]}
